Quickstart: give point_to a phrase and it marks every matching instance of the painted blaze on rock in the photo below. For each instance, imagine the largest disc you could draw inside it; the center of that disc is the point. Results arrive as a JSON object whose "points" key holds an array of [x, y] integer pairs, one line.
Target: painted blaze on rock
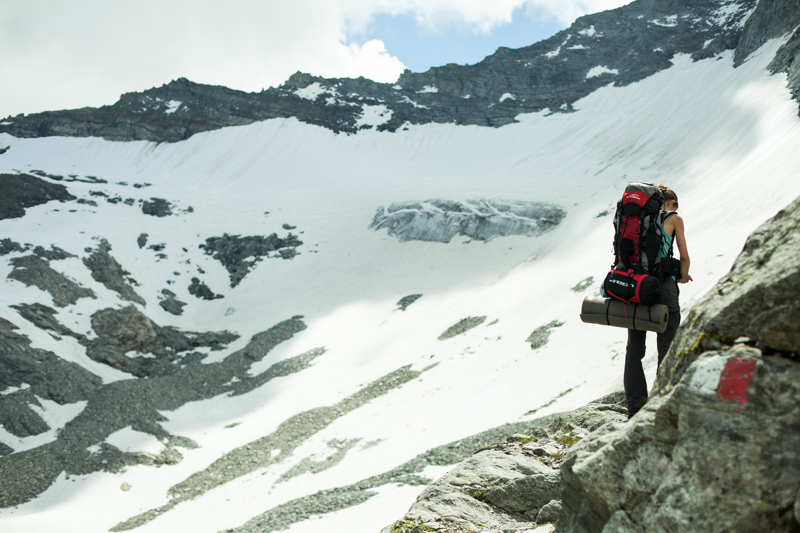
{"points": [[734, 380]]}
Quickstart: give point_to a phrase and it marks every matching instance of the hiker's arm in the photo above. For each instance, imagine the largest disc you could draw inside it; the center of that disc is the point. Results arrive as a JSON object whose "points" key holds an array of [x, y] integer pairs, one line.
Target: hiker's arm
{"points": [[680, 238]]}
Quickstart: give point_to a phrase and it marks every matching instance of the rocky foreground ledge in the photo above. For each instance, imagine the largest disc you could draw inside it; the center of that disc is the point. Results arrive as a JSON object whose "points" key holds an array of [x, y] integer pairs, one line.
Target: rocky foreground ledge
{"points": [[510, 487], [716, 447]]}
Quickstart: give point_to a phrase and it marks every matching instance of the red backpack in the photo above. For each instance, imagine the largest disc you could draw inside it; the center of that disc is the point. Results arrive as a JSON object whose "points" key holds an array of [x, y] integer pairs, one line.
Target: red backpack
{"points": [[637, 272]]}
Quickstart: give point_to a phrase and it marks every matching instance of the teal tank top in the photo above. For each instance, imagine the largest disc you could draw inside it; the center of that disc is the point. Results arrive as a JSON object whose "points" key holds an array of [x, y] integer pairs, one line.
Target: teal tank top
{"points": [[666, 244]]}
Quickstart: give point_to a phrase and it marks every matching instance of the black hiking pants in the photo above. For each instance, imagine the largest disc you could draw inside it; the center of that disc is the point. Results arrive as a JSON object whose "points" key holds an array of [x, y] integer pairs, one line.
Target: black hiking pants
{"points": [[634, 380]]}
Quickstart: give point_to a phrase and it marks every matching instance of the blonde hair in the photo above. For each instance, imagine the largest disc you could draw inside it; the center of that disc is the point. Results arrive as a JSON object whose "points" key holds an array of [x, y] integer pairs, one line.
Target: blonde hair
{"points": [[669, 194]]}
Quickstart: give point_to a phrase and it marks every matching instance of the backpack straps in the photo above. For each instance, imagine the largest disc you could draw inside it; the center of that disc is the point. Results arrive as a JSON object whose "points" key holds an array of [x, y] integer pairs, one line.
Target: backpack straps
{"points": [[644, 227], [620, 252], [664, 215]]}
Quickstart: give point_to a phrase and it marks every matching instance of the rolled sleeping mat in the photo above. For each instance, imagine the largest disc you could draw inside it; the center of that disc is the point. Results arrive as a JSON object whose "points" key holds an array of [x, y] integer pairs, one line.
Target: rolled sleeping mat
{"points": [[610, 312]]}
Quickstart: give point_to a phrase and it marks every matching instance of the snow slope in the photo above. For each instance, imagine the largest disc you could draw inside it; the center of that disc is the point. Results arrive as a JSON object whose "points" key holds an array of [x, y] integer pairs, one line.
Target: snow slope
{"points": [[724, 139]]}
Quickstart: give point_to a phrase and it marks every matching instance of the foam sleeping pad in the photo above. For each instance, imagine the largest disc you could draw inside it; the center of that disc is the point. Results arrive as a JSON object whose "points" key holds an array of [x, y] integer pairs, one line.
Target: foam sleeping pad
{"points": [[610, 312]]}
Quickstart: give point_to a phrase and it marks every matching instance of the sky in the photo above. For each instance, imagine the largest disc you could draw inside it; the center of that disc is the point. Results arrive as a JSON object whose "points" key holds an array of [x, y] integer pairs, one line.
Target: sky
{"points": [[64, 54]]}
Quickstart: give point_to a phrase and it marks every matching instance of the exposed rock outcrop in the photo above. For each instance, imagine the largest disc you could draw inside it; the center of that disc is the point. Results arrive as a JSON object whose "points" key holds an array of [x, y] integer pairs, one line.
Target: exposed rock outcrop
{"points": [[110, 273], [169, 302], [719, 452], [482, 220], [240, 254], [405, 301], [201, 290], [69, 178], [35, 271], [503, 488], [18, 191], [770, 19], [622, 46], [53, 254], [155, 350], [787, 60], [7, 246], [28, 374], [157, 207], [717, 446], [44, 318], [462, 326], [758, 299], [583, 285], [541, 335]]}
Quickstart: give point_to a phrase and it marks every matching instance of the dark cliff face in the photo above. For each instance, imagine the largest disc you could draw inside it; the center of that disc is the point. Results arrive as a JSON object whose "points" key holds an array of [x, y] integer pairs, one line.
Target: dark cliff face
{"points": [[620, 46], [770, 19]]}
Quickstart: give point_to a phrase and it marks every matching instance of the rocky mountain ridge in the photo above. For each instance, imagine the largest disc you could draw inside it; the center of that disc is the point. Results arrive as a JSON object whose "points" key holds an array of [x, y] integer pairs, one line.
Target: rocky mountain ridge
{"points": [[620, 46]]}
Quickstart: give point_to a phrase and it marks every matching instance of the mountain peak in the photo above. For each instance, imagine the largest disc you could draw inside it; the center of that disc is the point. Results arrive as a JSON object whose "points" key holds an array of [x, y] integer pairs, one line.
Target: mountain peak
{"points": [[620, 47]]}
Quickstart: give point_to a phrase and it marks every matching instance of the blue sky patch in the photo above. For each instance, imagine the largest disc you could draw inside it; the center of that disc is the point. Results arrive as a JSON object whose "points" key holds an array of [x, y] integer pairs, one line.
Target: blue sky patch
{"points": [[420, 48]]}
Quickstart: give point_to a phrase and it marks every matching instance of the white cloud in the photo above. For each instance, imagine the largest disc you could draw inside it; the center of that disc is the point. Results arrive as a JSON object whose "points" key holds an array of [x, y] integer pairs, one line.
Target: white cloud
{"points": [[59, 54], [370, 60], [481, 16], [566, 11], [63, 54]]}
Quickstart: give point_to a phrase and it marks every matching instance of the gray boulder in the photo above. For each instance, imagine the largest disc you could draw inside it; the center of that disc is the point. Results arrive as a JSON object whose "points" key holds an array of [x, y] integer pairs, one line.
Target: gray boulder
{"points": [[717, 446], [502, 488], [694, 459], [487, 490], [549, 512]]}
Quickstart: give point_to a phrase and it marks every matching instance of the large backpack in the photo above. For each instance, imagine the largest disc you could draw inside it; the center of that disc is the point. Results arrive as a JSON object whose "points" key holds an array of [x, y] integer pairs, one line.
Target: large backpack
{"points": [[637, 272], [638, 228]]}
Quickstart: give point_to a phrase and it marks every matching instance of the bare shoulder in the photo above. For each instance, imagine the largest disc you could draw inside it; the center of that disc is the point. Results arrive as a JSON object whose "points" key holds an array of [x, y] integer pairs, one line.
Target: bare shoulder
{"points": [[673, 224], [672, 216]]}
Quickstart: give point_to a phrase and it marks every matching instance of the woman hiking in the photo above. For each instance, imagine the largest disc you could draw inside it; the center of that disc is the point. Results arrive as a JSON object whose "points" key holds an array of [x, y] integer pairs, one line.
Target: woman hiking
{"points": [[634, 380]]}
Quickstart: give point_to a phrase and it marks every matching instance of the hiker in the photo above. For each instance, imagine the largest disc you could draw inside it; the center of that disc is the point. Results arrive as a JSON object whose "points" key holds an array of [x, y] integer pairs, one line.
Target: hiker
{"points": [[634, 380]]}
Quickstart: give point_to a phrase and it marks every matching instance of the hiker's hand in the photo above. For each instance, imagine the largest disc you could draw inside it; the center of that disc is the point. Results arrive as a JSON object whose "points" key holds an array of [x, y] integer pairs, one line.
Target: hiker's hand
{"points": [[685, 279]]}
